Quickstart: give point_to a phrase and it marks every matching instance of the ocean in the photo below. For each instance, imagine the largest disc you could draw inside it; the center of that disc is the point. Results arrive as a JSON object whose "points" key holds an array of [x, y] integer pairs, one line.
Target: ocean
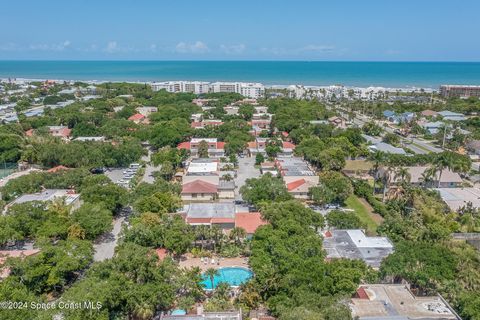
{"points": [[362, 74]]}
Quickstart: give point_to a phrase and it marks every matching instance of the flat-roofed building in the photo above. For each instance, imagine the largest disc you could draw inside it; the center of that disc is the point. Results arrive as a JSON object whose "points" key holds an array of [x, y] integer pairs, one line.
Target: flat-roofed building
{"points": [[397, 302], [459, 91], [197, 87], [70, 197], [354, 244]]}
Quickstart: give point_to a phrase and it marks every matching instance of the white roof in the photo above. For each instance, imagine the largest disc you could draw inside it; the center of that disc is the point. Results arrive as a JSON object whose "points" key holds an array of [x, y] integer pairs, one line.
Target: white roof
{"points": [[362, 241], [195, 167], [198, 140]]}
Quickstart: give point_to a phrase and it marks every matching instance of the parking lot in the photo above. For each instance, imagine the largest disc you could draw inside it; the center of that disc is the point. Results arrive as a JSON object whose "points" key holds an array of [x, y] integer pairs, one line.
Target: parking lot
{"points": [[246, 170]]}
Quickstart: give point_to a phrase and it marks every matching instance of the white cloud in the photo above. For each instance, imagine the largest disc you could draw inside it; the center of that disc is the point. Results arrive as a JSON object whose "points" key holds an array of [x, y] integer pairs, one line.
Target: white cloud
{"points": [[316, 48], [9, 47], [111, 47], [233, 49], [197, 47], [50, 47]]}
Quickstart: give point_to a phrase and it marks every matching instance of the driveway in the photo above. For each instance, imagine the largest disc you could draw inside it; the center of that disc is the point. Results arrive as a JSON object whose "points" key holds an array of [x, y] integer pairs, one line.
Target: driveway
{"points": [[246, 170], [105, 247]]}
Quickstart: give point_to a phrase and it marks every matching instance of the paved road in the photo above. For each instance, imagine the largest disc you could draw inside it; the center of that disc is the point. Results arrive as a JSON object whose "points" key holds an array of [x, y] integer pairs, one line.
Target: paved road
{"points": [[246, 170], [416, 145], [105, 248], [149, 168]]}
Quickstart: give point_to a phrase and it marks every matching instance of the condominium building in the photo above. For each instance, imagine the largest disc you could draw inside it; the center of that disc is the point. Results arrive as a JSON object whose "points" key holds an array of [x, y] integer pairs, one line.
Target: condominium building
{"points": [[451, 91], [197, 87], [249, 90]]}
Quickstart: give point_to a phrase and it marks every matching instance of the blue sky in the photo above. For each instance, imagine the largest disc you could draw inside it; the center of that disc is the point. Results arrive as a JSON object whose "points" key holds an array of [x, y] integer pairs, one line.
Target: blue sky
{"points": [[374, 30]]}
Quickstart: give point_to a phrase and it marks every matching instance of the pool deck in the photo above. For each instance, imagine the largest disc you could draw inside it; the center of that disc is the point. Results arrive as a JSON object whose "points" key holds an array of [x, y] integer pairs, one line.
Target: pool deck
{"points": [[188, 261]]}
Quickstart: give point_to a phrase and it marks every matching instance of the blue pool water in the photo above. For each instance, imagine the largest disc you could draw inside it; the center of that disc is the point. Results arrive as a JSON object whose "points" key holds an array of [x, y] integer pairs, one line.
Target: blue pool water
{"points": [[234, 276], [179, 312]]}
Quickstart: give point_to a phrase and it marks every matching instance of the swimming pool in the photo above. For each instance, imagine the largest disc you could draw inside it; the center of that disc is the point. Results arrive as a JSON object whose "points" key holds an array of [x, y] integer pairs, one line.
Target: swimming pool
{"points": [[234, 276]]}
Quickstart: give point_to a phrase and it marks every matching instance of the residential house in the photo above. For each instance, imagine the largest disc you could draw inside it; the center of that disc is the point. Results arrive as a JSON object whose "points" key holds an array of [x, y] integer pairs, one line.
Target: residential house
{"points": [[473, 147], [358, 168], [448, 178], [199, 190], [297, 176], [70, 197], [216, 149], [60, 131], [201, 315], [396, 301], [338, 122], [249, 221], [451, 116], [5, 254], [139, 118], [205, 123], [354, 244], [299, 189], [226, 189], [221, 214], [90, 139], [433, 127], [259, 145], [146, 111], [429, 113], [457, 198], [268, 167], [231, 110], [389, 115]]}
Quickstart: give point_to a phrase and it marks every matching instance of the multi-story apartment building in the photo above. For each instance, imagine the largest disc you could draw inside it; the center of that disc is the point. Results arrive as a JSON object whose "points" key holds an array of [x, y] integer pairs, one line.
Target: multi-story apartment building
{"points": [[249, 90], [197, 87], [451, 91]]}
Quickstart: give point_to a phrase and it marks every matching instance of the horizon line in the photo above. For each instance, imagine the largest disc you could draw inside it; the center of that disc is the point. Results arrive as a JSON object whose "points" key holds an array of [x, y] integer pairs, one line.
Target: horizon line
{"points": [[234, 60]]}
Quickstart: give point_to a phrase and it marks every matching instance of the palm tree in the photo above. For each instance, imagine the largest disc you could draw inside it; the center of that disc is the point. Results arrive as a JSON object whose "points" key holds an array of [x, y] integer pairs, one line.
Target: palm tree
{"points": [[442, 161], [143, 311], [211, 273], [427, 176], [378, 157], [238, 234], [403, 175]]}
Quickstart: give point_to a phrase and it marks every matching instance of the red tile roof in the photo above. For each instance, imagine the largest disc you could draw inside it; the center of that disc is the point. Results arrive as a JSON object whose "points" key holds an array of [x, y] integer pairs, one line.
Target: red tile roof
{"points": [[295, 184], [196, 124], [198, 220], [220, 145], [249, 221], [285, 134], [362, 294], [29, 133], [161, 253], [184, 145], [288, 145], [222, 220], [199, 186], [137, 116], [5, 272]]}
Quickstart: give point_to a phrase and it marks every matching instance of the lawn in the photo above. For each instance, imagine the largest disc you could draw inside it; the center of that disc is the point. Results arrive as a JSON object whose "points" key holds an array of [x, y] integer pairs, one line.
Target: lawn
{"points": [[365, 215]]}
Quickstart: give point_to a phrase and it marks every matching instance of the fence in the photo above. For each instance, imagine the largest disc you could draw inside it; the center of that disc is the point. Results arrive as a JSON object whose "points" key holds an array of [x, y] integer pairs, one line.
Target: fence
{"points": [[6, 168]]}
